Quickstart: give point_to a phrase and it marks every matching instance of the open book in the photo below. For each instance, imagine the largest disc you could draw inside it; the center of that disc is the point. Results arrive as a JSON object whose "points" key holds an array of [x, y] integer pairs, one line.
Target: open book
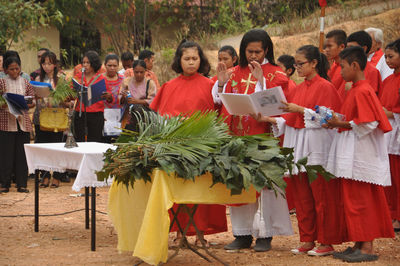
{"points": [[94, 91], [42, 89], [16, 103], [266, 102]]}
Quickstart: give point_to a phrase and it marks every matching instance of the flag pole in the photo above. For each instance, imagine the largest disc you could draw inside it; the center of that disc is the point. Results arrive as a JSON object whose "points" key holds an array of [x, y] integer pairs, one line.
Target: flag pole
{"points": [[321, 28]]}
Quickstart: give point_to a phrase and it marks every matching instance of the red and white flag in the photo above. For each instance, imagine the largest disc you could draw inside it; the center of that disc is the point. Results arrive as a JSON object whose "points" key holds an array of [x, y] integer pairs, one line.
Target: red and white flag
{"points": [[322, 3]]}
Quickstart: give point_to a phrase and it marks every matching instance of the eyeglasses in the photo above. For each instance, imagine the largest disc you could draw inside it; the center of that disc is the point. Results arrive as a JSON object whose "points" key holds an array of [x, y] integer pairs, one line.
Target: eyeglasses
{"points": [[300, 64]]}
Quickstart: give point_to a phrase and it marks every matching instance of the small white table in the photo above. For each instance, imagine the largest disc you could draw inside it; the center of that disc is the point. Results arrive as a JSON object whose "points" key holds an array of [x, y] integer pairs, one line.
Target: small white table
{"points": [[87, 158]]}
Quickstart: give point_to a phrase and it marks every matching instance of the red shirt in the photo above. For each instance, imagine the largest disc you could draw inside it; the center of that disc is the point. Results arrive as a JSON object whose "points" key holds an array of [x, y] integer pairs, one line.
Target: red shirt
{"points": [[362, 106], [290, 92], [113, 87], [184, 94], [390, 93], [97, 107], [335, 76], [309, 93], [246, 125]]}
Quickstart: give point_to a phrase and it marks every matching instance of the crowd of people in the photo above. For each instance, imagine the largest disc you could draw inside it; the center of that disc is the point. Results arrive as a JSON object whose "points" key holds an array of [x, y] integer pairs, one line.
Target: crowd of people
{"points": [[356, 77]]}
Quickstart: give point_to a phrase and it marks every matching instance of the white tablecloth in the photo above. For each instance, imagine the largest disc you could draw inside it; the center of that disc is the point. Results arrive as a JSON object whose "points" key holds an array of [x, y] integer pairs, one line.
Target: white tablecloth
{"points": [[87, 158]]}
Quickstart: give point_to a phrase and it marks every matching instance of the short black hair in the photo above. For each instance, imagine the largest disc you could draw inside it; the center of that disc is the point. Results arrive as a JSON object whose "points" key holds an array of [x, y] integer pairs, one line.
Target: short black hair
{"points": [[145, 54], [339, 36], [126, 56], [231, 51], [94, 60], [362, 38], [204, 64], [354, 54], [44, 49], [288, 62], [395, 46], [10, 60], [111, 57], [139, 63], [256, 35]]}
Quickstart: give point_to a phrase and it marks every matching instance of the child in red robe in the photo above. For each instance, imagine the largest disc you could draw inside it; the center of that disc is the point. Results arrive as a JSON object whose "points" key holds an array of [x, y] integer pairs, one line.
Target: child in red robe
{"points": [[358, 157], [390, 99], [256, 71], [190, 92], [316, 207], [335, 42], [286, 62], [227, 55], [372, 75]]}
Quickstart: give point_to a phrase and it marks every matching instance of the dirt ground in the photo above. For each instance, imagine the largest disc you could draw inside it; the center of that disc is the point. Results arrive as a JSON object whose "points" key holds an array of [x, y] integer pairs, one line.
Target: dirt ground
{"points": [[63, 239]]}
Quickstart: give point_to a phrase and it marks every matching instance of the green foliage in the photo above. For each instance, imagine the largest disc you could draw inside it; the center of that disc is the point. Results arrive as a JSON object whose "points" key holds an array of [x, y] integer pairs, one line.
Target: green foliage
{"points": [[18, 16], [63, 91], [193, 146]]}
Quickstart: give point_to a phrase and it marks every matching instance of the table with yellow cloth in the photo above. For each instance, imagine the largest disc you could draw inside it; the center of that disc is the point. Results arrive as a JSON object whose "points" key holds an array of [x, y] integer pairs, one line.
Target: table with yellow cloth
{"points": [[140, 214]]}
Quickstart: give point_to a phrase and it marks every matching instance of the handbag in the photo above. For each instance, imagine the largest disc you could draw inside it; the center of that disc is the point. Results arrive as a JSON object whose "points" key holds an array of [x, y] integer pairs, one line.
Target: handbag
{"points": [[53, 119]]}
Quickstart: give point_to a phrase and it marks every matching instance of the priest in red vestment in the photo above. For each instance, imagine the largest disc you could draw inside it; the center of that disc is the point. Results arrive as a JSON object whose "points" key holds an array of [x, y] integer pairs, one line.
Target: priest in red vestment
{"points": [[191, 92], [358, 157], [390, 99], [257, 70]]}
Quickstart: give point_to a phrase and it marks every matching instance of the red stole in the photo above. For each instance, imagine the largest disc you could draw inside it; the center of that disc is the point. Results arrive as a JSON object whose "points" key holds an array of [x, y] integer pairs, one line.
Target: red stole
{"points": [[184, 95], [96, 107], [362, 106], [309, 93], [376, 57], [390, 93], [243, 82]]}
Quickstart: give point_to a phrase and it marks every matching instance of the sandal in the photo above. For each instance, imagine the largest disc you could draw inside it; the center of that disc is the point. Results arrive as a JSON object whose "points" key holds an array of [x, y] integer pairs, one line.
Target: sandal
{"points": [[198, 243], [45, 183], [23, 190], [55, 183]]}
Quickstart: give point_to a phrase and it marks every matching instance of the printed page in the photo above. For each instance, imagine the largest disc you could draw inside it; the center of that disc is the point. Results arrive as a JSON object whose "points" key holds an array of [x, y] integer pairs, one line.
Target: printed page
{"points": [[237, 104], [267, 102]]}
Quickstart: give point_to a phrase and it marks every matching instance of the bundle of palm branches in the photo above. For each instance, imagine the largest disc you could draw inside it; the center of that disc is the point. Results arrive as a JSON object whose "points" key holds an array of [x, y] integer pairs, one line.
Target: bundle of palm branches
{"points": [[63, 91], [192, 146]]}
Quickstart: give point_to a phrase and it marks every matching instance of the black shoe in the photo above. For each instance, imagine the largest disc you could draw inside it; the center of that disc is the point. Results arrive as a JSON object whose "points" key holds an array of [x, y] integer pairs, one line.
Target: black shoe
{"points": [[4, 190], [340, 255], [357, 256], [65, 179], [23, 190], [240, 242], [263, 244]]}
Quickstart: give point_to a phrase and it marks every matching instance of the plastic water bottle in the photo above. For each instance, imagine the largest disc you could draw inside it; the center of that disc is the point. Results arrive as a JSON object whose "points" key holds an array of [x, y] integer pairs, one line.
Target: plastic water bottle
{"points": [[325, 113]]}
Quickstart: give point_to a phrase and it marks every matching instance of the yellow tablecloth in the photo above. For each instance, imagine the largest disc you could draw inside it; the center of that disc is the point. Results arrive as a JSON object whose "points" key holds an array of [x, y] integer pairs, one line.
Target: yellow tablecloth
{"points": [[140, 215]]}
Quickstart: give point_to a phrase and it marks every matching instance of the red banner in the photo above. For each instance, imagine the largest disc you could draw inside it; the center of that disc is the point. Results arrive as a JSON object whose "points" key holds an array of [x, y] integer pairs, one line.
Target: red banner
{"points": [[322, 3]]}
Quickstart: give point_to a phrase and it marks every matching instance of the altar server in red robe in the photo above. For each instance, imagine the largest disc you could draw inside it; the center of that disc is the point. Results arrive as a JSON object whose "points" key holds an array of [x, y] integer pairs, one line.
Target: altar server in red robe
{"points": [[227, 55], [358, 157], [286, 62], [335, 42], [256, 71], [190, 92], [317, 210], [372, 75], [390, 99]]}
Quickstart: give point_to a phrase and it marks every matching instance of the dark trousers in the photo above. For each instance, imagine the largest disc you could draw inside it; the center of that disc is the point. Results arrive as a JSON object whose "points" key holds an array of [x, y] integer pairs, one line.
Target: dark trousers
{"points": [[95, 125], [48, 137], [12, 158]]}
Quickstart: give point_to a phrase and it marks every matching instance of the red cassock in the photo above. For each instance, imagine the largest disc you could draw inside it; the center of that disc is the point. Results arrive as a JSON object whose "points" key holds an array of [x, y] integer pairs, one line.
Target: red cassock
{"points": [[376, 57], [372, 75], [335, 76], [243, 82], [316, 205], [390, 99], [186, 95], [366, 214]]}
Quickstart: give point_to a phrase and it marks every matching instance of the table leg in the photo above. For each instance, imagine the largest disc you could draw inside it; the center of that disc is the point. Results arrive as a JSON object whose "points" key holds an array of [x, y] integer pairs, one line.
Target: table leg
{"points": [[93, 219], [37, 202], [87, 207]]}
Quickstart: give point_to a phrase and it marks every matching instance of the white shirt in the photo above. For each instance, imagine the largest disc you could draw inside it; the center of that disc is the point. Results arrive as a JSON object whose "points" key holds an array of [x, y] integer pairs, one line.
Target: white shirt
{"points": [[383, 68]]}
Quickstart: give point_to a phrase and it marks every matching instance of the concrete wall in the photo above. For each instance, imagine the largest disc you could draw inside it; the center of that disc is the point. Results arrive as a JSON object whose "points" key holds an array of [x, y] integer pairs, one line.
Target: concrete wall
{"points": [[29, 57]]}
